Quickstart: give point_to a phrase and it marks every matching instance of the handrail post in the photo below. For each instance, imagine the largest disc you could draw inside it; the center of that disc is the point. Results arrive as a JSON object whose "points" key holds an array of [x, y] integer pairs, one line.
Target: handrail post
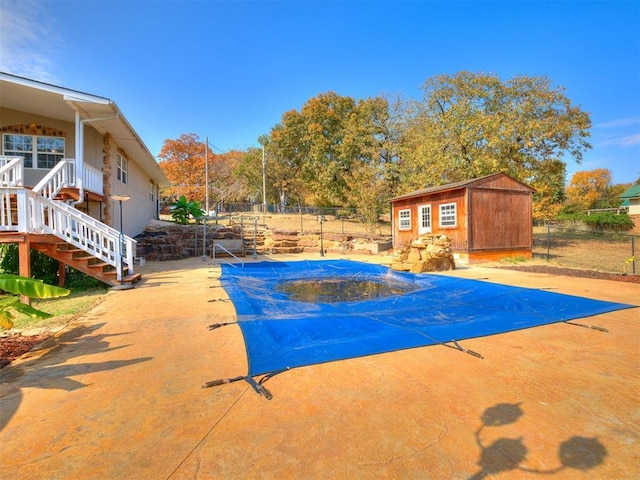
{"points": [[23, 210]]}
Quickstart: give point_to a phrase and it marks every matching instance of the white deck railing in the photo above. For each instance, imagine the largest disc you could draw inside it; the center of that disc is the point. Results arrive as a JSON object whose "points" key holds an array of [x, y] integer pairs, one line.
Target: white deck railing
{"points": [[63, 175], [92, 179]]}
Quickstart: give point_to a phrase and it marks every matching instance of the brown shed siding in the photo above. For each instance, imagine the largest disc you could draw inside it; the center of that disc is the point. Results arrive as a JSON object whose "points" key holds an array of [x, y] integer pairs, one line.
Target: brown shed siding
{"points": [[457, 234], [499, 219], [493, 216]]}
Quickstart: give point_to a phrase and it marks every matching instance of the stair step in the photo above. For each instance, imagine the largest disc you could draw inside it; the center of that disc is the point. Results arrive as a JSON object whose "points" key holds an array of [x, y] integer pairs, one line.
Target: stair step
{"points": [[86, 257], [70, 250], [132, 278], [98, 265]]}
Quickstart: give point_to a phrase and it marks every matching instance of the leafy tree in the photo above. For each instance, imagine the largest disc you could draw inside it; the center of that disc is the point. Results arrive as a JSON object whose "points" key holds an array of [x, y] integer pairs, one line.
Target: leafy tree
{"points": [[225, 185], [469, 125], [249, 172], [16, 285], [549, 192], [182, 209], [586, 188], [183, 162], [368, 193], [313, 153]]}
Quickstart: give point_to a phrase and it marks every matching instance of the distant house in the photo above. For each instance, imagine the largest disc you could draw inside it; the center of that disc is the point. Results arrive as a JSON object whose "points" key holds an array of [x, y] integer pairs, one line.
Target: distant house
{"points": [[631, 199], [67, 159], [486, 218]]}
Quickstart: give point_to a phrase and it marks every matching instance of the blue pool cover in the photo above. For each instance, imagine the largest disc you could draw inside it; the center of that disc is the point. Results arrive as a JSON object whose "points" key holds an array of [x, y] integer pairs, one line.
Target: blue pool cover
{"points": [[282, 333]]}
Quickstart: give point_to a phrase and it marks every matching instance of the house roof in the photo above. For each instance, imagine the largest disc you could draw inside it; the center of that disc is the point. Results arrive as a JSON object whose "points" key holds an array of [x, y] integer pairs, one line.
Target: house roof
{"points": [[632, 192], [39, 98], [454, 186]]}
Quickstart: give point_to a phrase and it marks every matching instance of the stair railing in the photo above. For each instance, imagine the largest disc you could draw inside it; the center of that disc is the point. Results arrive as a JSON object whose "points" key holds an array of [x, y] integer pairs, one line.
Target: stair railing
{"points": [[82, 231], [36, 211], [11, 169], [217, 245], [62, 175]]}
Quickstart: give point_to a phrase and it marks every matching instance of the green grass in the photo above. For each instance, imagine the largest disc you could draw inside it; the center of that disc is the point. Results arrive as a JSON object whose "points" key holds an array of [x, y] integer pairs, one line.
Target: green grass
{"points": [[514, 260], [64, 309]]}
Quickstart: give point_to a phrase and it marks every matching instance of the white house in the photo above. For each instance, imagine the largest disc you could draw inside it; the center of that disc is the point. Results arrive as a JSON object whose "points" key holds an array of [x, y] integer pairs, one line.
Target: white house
{"points": [[69, 162]]}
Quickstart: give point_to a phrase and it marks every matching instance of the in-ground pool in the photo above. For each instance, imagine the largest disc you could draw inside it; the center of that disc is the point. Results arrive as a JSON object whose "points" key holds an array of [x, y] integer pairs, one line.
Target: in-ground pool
{"points": [[282, 330]]}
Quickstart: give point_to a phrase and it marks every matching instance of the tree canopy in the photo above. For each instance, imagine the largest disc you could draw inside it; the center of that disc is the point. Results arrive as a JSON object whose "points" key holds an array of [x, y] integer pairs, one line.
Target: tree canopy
{"points": [[468, 125], [593, 189], [346, 152], [183, 162]]}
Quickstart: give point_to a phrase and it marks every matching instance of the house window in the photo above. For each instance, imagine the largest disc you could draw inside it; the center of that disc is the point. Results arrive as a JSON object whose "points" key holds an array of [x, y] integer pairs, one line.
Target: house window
{"points": [[121, 169], [38, 151], [404, 219], [151, 191], [424, 218], [448, 215]]}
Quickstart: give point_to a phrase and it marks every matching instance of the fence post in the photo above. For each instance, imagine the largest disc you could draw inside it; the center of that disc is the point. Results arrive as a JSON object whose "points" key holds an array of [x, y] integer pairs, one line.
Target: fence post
{"points": [[548, 241], [633, 254]]}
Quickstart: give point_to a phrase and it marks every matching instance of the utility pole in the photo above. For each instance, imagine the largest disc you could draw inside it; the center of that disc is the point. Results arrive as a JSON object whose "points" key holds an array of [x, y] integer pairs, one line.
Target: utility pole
{"points": [[206, 174], [264, 187]]}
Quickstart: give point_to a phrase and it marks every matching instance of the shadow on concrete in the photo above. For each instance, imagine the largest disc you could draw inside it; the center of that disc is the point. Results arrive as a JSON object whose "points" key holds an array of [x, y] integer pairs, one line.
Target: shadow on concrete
{"points": [[505, 454], [52, 369]]}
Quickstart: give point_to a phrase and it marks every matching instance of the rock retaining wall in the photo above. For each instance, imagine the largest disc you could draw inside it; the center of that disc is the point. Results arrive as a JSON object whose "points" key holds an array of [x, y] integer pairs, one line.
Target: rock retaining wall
{"points": [[172, 242], [180, 241], [429, 253], [309, 242]]}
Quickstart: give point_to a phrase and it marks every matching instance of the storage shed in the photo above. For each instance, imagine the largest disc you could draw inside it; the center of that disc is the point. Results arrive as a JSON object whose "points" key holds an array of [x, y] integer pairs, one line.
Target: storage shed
{"points": [[486, 218]]}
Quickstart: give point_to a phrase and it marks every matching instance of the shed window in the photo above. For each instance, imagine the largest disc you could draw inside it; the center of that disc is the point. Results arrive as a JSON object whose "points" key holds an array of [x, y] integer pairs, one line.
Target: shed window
{"points": [[38, 151], [404, 219], [448, 215], [121, 169]]}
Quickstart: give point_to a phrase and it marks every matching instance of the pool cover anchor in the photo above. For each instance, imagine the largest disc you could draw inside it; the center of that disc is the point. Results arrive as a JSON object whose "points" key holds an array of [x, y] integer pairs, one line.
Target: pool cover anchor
{"points": [[257, 386], [457, 346]]}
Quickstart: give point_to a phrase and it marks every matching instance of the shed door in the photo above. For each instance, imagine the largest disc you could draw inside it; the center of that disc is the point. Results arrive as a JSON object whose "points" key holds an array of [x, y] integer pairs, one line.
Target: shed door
{"points": [[424, 219]]}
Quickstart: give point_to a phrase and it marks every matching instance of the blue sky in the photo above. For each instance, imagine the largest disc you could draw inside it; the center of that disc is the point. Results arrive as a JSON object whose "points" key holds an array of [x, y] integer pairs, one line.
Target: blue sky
{"points": [[230, 69]]}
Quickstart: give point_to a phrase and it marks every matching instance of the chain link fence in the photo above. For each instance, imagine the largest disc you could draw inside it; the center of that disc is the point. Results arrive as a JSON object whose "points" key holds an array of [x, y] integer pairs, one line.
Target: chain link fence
{"points": [[593, 250], [329, 220]]}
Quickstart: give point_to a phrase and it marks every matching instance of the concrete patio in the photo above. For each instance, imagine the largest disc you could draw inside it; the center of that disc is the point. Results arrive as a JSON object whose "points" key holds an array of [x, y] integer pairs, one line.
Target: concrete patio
{"points": [[118, 395]]}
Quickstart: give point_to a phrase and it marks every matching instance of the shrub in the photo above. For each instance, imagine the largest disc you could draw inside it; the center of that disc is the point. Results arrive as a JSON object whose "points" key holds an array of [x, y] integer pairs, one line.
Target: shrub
{"points": [[601, 220]]}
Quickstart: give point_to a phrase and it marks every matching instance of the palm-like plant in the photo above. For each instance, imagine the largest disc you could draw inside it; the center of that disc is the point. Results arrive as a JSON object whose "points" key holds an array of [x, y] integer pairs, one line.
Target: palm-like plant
{"points": [[182, 208], [16, 285]]}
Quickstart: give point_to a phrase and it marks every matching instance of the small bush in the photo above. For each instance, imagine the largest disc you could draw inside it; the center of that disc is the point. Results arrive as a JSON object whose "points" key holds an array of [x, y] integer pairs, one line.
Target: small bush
{"points": [[601, 220], [42, 267]]}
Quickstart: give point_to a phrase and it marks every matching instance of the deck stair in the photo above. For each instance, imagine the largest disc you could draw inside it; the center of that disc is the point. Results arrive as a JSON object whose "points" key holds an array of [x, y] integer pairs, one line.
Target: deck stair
{"points": [[59, 230]]}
